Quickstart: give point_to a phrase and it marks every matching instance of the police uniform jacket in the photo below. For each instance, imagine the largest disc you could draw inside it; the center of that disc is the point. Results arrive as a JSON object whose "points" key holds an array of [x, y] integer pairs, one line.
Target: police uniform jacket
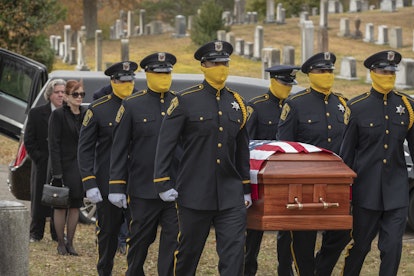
{"points": [[313, 118], [373, 148], [264, 116], [214, 168], [64, 127], [135, 141], [95, 142]]}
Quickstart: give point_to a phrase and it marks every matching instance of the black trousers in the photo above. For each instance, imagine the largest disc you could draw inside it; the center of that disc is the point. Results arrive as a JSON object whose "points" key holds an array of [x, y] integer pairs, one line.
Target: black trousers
{"points": [[389, 225], [109, 221], [253, 242], [303, 248], [230, 227], [146, 215]]}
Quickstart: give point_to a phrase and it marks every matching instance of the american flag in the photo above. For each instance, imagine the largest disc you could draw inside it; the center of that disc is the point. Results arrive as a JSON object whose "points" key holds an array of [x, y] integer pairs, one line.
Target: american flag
{"points": [[261, 150]]}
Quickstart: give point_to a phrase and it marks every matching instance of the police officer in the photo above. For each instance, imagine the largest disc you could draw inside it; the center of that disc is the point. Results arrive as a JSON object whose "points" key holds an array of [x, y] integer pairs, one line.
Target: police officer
{"points": [[94, 150], [378, 122], [132, 167], [262, 124], [316, 116], [213, 184]]}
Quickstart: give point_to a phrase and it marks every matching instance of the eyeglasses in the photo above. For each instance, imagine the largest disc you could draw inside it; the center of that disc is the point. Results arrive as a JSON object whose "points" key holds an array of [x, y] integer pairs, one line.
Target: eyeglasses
{"points": [[77, 94]]}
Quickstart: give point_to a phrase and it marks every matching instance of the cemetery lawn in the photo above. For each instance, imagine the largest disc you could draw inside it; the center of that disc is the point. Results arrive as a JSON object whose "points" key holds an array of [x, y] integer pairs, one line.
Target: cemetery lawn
{"points": [[43, 257]]}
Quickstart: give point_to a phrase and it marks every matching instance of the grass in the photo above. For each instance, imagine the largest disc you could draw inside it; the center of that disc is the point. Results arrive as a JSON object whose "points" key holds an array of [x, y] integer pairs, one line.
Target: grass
{"points": [[43, 257]]}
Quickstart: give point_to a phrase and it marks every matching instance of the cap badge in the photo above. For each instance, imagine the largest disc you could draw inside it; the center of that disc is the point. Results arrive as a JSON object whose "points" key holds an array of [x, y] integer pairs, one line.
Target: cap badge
{"points": [[235, 106], [218, 46], [400, 109], [390, 55], [125, 66], [327, 56], [161, 56]]}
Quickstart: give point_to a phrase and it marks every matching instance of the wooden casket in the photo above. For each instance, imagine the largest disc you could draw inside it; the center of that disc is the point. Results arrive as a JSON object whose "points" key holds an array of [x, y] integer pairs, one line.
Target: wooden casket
{"points": [[304, 190]]}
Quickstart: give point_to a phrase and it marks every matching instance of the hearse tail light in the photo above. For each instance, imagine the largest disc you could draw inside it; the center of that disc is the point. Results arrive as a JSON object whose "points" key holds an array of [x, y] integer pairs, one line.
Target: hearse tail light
{"points": [[21, 155]]}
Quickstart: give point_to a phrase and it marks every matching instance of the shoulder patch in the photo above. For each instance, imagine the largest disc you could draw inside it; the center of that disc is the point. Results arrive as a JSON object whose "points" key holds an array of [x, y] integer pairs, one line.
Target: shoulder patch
{"points": [[173, 105], [88, 116], [101, 100], [121, 111], [285, 112]]}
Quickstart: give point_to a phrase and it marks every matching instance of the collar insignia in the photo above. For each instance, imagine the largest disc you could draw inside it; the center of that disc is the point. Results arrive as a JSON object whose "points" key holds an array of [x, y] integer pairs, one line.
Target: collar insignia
{"points": [[400, 109], [235, 106]]}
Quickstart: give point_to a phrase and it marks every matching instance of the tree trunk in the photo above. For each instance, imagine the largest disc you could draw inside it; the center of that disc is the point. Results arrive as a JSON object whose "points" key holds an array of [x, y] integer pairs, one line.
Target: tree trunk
{"points": [[90, 17]]}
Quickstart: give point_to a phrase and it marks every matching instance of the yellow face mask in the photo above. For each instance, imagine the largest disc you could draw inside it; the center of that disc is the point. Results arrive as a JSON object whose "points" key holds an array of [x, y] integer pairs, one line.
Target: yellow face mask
{"points": [[281, 91], [382, 83], [321, 82], [122, 89], [216, 76], [159, 82]]}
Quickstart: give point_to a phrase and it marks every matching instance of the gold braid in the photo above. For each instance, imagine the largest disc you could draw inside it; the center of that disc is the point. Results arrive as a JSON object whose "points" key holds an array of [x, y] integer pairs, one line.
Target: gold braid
{"points": [[342, 100], [242, 108], [410, 111]]}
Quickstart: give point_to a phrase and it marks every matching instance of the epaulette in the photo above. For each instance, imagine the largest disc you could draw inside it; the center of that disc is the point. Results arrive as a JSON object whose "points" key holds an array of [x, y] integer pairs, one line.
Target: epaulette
{"points": [[192, 89], [359, 98], [260, 98], [300, 93], [101, 100], [136, 94], [410, 98]]}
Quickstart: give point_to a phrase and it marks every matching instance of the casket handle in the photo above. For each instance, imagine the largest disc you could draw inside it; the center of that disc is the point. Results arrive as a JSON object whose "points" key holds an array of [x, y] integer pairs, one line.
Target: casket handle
{"points": [[320, 204]]}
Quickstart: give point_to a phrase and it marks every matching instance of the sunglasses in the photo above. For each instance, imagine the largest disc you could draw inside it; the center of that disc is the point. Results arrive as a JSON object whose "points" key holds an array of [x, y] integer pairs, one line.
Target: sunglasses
{"points": [[77, 94]]}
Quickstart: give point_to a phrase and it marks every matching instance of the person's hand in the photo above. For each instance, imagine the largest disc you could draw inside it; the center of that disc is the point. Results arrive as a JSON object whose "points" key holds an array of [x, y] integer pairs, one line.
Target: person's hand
{"points": [[118, 199], [169, 195], [248, 200], [94, 195], [57, 181]]}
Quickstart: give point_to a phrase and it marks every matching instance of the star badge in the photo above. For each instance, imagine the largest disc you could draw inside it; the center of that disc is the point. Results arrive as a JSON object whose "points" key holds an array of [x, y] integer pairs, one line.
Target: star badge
{"points": [[341, 108], [400, 109], [235, 106]]}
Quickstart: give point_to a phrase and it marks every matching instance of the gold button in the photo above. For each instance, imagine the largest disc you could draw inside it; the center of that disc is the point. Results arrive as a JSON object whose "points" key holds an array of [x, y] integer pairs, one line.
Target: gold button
{"points": [[385, 146], [218, 161], [110, 124], [220, 113], [309, 121], [218, 98], [162, 100], [270, 122], [387, 131], [329, 127], [163, 113], [402, 123], [329, 140], [328, 114], [386, 117], [371, 124], [201, 118], [326, 102], [384, 161], [220, 128], [385, 102], [145, 120], [219, 145]]}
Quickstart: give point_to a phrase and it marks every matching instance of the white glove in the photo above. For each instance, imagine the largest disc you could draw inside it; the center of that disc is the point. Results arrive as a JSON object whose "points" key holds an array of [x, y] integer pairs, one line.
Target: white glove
{"points": [[94, 195], [118, 199], [248, 200], [169, 195]]}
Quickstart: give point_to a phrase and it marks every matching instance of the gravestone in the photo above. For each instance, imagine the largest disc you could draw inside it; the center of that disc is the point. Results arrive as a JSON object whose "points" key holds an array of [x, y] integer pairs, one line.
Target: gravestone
{"points": [[288, 55], [118, 29], [399, 4], [248, 49], [314, 11], [227, 19], [388, 6], [62, 49], [344, 27], [180, 26], [230, 38], [304, 16], [239, 11], [348, 69], [355, 6], [270, 11], [124, 49], [280, 14], [369, 33], [72, 56], [323, 20], [334, 6], [323, 40], [270, 57], [357, 33], [81, 61], [221, 35], [382, 35], [98, 50], [395, 37], [142, 22], [307, 36], [66, 37], [258, 42], [130, 24], [404, 76], [239, 49]]}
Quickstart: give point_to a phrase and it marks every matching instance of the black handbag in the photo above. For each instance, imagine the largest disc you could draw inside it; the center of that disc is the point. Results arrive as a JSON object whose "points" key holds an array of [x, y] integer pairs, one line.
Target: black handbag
{"points": [[55, 196]]}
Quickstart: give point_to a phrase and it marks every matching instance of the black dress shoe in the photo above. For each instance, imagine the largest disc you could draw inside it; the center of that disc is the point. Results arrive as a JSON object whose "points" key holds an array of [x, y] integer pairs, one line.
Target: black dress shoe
{"points": [[71, 250], [61, 250]]}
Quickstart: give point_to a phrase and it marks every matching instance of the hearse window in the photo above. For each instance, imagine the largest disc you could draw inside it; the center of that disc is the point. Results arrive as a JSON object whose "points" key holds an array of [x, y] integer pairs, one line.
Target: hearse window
{"points": [[16, 79]]}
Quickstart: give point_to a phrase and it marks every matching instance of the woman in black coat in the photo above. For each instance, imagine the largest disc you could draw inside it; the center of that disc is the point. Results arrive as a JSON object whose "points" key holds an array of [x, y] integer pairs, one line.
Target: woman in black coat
{"points": [[64, 127]]}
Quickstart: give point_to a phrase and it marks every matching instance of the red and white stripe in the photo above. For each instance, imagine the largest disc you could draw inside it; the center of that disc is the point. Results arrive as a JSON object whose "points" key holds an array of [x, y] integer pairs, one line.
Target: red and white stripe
{"points": [[260, 151]]}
